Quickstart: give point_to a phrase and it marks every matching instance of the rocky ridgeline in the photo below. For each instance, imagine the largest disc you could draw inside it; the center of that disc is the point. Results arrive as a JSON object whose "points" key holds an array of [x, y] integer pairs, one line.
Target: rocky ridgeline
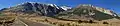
{"points": [[38, 8], [101, 9]]}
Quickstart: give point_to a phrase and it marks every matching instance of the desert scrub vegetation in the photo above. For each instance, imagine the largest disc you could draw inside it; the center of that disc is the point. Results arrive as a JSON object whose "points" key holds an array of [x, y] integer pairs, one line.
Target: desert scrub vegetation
{"points": [[6, 20], [105, 22], [63, 22], [1, 14]]}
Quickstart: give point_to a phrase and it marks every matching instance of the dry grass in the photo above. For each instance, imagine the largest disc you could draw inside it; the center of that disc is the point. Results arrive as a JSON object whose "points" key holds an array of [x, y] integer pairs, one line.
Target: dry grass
{"points": [[57, 22]]}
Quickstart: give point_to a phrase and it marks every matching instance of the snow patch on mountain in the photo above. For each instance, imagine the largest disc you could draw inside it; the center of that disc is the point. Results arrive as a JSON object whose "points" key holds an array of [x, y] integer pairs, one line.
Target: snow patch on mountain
{"points": [[65, 7]]}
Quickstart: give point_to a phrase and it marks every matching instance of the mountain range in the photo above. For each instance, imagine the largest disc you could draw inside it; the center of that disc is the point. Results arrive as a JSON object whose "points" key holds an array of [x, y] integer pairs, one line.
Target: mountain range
{"points": [[80, 12]]}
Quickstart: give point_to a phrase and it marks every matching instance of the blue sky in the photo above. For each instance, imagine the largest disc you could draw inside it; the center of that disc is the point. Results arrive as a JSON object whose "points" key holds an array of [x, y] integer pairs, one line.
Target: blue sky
{"points": [[109, 4]]}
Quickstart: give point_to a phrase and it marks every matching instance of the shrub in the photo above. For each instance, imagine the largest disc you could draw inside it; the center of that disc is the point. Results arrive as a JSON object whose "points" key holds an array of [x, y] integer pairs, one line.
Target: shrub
{"points": [[90, 21], [105, 22]]}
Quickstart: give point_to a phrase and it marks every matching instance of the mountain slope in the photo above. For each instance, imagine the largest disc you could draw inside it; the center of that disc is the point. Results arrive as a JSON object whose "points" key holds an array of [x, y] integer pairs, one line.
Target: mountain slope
{"points": [[88, 12], [42, 9]]}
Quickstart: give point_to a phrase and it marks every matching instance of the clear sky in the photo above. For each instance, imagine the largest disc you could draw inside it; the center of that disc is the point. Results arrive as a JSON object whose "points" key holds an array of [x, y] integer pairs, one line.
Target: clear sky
{"points": [[109, 4]]}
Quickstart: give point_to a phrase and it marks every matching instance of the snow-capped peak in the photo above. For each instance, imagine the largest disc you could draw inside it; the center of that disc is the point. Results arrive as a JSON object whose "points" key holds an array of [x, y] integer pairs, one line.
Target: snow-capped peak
{"points": [[56, 6], [65, 7], [51, 5]]}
